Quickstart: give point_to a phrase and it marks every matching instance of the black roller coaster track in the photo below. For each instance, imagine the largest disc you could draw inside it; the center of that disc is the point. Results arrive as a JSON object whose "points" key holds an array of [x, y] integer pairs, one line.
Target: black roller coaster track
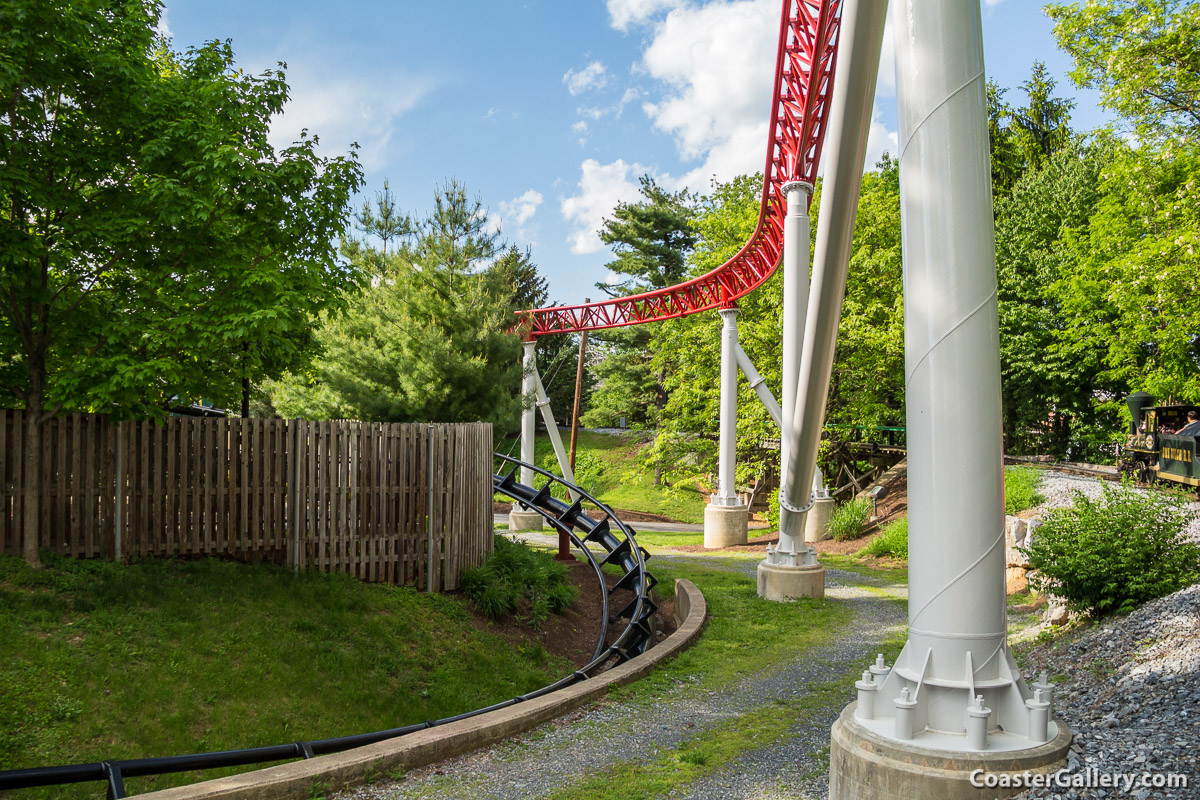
{"points": [[593, 529]]}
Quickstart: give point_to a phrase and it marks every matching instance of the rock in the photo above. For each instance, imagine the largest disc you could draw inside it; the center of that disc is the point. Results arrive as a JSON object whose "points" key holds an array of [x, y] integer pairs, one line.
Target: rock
{"points": [[1015, 580], [1057, 615]]}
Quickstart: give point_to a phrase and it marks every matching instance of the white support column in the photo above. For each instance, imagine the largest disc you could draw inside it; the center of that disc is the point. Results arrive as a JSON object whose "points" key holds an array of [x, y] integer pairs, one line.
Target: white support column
{"points": [[528, 408], [560, 452], [954, 697], [519, 520], [796, 253], [726, 518], [727, 442], [759, 385]]}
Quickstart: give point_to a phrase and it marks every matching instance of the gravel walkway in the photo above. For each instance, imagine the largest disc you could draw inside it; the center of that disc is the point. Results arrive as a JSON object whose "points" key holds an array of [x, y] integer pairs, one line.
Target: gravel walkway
{"points": [[598, 736]]}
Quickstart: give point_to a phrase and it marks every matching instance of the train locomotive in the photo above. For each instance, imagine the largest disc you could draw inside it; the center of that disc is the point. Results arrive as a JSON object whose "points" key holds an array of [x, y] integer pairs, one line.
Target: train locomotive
{"points": [[1158, 446]]}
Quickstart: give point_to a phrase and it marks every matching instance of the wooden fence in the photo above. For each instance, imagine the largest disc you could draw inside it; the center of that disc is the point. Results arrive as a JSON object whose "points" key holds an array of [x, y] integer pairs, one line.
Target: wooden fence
{"points": [[335, 496]]}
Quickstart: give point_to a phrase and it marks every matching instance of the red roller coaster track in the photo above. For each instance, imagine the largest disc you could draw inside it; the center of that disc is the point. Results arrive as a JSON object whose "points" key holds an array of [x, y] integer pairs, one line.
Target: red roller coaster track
{"points": [[803, 81]]}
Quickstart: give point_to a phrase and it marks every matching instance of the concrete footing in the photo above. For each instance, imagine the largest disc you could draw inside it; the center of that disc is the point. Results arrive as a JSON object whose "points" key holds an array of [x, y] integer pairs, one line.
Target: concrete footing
{"points": [[777, 582], [866, 766], [816, 524], [725, 525], [524, 520]]}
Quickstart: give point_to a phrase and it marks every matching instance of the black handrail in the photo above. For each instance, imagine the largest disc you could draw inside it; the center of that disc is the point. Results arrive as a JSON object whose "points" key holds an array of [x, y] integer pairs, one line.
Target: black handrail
{"points": [[633, 640]]}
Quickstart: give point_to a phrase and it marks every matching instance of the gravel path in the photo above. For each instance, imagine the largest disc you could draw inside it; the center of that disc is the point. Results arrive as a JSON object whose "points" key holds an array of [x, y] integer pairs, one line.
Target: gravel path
{"points": [[596, 737]]}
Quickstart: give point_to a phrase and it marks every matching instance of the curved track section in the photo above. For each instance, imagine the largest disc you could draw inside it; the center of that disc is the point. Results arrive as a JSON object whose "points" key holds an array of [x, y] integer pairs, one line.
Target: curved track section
{"points": [[603, 540], [591, 529], [804, 67]]}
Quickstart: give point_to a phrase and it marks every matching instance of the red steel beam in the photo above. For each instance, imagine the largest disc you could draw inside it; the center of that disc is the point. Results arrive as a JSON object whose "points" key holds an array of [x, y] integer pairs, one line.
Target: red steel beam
{"points": [[804, 67]]}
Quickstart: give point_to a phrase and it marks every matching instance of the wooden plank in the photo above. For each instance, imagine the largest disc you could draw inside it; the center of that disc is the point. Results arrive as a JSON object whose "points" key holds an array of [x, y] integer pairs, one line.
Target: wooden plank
{"points": [[107, 486], [19, 477], [76, 533], [6, 526], [195, 429]]}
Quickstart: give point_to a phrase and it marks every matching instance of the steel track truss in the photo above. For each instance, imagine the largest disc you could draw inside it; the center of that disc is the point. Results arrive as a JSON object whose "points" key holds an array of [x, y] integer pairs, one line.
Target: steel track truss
{"points": [[804, 67]]}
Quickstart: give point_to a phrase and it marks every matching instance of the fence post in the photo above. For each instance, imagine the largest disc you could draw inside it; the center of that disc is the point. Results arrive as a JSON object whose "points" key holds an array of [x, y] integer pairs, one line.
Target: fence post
{"points": [[429, 509], [119, 491]]}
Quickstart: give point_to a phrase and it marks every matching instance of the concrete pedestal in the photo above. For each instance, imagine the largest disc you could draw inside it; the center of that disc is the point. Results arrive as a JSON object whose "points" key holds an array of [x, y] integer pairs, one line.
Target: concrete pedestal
{"points": [[779, 583], [866, 766], [816, 524], [725, 525], [524, 521]]}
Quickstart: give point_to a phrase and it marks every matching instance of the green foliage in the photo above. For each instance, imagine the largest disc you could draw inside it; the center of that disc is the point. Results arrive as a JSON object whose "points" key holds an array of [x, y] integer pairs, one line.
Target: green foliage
{"points": [[1020, 488], [156, 247], [102, 660], [430, 339], [1131, 299], [848, 519], [1142, 55], [892, 542], [1044, 367], [1111, 554], [519, 580], [1024, 138]]}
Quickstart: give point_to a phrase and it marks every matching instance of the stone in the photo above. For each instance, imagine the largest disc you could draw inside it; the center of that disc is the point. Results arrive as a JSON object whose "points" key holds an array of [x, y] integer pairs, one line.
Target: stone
{"points": [[1057, 615], [725, 526], [1015, 579]]}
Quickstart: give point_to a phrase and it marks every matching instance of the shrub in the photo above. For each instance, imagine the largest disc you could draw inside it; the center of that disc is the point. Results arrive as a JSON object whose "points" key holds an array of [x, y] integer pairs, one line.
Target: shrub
{"points": [[1109, 555], [517, 579], [1020, 489], [892, 542], [848, 519]]}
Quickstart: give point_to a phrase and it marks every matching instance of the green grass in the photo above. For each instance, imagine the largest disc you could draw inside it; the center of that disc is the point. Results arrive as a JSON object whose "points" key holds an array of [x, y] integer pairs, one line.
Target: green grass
{"points": [[892, 542], [745, 633], [170, 657], [1020, 488], [848, 520], [607, 467], [672, 769]]}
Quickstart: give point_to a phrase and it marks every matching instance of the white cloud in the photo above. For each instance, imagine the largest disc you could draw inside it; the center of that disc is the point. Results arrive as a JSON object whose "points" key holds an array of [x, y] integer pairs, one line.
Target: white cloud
{"points": [[614, 111], [593, 76], [633, 12], [992, 3], [580, 129], [342, 108], [163, 28], [516, 213], [601, 187], [885, 84], [718, 62], [879, 139]]}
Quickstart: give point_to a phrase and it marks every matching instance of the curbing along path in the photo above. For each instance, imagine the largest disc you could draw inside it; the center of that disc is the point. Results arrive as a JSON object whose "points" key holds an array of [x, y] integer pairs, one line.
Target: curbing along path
{"points": [[298, 779]]}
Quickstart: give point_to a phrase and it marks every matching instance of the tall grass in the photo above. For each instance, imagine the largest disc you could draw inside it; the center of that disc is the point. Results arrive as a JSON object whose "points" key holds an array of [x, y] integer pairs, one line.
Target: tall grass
{"points": [[1020, 488], [848, 519], [892, 542], [519, 580]]}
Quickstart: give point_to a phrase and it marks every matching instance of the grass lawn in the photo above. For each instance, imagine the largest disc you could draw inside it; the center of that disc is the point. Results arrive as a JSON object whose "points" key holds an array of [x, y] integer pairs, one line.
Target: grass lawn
{"points": [[171, 657]]}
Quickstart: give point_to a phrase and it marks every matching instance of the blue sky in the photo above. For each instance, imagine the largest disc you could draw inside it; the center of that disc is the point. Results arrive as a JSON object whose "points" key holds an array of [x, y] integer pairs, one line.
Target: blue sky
{"points": [[549, 110]]}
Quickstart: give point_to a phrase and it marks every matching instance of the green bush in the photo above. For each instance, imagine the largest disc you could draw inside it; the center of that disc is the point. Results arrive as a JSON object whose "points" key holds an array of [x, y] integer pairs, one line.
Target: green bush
{"points": [[892, 542], [1020, 488], [519, 580], [848, 519], [1111, 554]]}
